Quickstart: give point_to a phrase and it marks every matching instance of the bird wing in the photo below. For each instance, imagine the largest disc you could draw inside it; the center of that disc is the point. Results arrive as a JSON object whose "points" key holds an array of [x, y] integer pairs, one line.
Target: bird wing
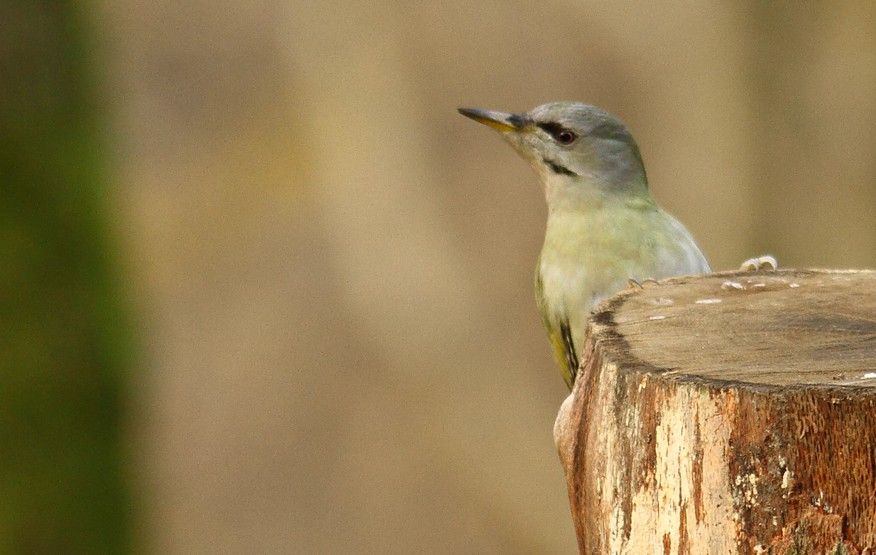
{"points": [[560, 335], [564, 351], [571, 366]]}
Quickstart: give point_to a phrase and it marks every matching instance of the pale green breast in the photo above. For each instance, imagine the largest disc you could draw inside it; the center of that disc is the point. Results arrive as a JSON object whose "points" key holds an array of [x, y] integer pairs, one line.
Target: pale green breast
{"points": [[588, 256]]}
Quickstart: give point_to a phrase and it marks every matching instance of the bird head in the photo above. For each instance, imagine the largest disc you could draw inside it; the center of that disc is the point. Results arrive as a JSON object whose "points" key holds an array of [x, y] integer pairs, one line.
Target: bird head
{"points": [[579, 151]]}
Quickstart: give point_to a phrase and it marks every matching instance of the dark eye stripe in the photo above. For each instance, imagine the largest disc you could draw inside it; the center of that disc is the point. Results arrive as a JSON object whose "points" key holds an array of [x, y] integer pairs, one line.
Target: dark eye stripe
{"points": [[553, 129]]}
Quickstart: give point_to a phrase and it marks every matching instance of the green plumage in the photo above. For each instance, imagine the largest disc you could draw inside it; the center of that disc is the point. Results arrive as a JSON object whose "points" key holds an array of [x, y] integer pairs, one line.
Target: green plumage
{"points": [[603, 226], [591, 253], [560, 336]]}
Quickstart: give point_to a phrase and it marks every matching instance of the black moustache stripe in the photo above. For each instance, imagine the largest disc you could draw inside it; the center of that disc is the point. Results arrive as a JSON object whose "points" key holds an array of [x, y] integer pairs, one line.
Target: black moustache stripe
{"points": [[556, 168]]}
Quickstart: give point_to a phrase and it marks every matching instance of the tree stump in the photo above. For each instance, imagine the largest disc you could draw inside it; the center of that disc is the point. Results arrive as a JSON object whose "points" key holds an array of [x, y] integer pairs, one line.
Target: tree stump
{"points": [[730, 413]]}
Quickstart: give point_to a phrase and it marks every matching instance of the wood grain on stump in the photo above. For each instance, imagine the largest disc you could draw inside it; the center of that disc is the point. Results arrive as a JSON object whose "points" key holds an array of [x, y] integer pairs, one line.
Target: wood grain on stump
{"points": [[732, 413]]}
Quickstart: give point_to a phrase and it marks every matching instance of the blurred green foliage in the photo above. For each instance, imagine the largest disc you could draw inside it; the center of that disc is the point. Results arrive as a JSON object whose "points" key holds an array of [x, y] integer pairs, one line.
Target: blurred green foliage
{"points": [[63, 345]]}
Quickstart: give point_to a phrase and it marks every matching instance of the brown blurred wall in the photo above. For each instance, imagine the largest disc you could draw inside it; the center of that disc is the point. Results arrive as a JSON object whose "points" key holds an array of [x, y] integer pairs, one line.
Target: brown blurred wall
{"points": [[334, 268]]}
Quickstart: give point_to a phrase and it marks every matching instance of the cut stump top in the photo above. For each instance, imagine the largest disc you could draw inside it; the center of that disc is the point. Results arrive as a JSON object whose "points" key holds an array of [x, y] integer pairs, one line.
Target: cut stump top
{"points": [[728, 413], [782, 328]]}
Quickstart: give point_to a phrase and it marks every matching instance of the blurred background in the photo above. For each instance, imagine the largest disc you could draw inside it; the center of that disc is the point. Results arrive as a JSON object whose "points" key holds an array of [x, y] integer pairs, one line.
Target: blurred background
{"points": [[264, 290]]}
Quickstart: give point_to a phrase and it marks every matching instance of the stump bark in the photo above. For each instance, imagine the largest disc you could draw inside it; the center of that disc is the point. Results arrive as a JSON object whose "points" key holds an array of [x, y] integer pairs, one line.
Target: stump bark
{"points": [[731, 413]]}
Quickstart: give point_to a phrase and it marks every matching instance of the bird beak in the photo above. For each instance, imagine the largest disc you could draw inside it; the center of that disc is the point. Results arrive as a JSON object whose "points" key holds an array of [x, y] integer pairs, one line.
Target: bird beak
{"points": [[500, 121]]}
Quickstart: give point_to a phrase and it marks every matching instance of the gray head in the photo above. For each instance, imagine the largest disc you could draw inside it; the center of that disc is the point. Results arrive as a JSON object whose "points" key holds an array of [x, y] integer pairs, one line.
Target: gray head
{"points": [[575, 148]]}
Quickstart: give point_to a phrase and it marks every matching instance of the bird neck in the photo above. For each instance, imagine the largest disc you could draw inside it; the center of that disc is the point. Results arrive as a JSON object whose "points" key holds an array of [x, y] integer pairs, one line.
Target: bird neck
{"points": [[585, 194]]}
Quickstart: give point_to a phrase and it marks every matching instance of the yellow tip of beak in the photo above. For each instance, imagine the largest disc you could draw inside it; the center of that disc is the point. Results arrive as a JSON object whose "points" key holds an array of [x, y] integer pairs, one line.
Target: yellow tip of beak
{"points": [[500, 121]]}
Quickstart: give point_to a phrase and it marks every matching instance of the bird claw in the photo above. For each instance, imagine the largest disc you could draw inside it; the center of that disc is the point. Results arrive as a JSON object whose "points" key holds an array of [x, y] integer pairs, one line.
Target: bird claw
{"points": [[641, 284], [765, 262]]}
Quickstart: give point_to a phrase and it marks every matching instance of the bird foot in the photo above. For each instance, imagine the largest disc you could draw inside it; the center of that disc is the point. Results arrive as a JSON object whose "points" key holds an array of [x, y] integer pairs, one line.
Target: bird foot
{"points": [[641, 284], [765, 262]]}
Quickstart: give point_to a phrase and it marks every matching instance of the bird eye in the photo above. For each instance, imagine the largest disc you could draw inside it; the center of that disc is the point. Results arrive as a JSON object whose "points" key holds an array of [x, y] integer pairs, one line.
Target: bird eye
{"points": [[558, 132], [566, 137]]}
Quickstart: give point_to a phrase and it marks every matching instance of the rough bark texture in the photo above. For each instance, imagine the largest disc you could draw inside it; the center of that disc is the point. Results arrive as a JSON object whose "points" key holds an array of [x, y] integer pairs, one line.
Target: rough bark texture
{"points": [[733, 413]]}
